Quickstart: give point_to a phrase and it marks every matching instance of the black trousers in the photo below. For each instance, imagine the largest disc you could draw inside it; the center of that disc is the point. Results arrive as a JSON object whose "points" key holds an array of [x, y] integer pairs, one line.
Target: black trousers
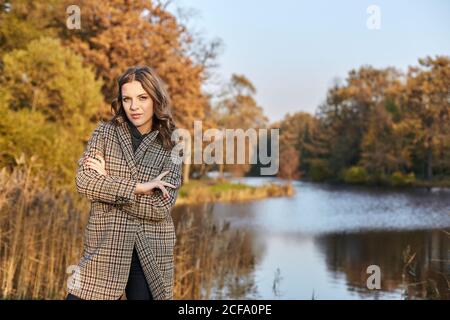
{"points": [[137, 287]]}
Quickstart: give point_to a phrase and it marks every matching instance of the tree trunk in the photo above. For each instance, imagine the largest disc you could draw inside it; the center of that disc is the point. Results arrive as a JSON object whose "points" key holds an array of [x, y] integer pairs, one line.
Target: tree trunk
{"points": [[221, 171], [186, 172], [429, 165]]}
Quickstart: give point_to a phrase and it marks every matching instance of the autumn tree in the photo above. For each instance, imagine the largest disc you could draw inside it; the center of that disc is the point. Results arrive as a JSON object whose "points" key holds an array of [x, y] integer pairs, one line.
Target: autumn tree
{"points": [[295, 134], [289, 163], [49, 101], [22, 21], [429, 101], [238, 109]]}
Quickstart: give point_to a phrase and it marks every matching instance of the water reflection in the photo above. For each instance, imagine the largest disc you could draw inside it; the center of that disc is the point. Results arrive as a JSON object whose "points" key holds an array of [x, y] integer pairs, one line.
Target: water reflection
{"points": [[212, 259], [349, 255], [316, 244]]}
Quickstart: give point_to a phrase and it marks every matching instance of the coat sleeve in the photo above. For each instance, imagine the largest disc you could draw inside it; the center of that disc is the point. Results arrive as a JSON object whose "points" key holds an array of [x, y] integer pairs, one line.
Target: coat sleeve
{"points": [[97, 187], [155, 206]]}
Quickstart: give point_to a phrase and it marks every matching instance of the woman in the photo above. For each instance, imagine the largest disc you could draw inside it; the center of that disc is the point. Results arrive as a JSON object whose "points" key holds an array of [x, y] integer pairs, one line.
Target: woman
{"points": [[128, 174]]}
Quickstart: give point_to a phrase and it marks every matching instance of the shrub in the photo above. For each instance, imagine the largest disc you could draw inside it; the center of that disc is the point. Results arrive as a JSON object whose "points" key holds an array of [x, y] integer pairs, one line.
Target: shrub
{"points": [[355, 175], [399, 179], [319, 170]]}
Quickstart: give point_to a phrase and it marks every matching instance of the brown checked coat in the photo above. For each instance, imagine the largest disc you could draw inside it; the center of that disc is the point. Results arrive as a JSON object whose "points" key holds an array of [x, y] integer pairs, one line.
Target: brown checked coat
{"points": [[120, 220]]}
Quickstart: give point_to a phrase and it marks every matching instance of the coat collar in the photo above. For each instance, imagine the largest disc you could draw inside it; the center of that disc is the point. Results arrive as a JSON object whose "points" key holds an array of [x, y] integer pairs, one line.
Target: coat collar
{"points": [[133, 158]]}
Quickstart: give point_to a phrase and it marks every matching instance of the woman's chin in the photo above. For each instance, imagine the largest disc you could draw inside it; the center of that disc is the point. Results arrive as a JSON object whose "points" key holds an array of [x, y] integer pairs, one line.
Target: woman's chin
{"points": [[139, 122], [136, 122]]}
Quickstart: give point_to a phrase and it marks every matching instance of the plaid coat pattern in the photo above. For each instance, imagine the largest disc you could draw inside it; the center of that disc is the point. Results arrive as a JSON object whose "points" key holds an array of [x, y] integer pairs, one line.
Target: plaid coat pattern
{"points": [[120, 220]]}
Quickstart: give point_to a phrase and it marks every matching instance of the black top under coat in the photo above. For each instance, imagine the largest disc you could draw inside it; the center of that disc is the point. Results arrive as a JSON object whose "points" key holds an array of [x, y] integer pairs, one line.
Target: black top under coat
{"points": [[136, 136]]}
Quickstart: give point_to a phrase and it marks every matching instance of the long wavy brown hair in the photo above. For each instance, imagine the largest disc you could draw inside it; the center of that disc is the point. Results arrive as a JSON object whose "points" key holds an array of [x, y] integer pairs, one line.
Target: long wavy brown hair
{"points": [[154, 86]]}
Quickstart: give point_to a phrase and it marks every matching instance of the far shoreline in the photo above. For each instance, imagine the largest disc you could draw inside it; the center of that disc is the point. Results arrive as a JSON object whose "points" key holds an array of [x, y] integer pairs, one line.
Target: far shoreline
{"points": [[224, 190]]}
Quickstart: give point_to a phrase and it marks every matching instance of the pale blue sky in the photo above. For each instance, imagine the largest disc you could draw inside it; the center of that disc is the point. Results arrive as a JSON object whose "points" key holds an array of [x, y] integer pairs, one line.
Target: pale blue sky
{"points": [[292, 50]]}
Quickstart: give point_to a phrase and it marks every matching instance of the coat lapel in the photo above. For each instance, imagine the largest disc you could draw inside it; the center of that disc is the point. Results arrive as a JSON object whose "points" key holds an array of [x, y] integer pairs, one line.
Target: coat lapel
{"points": [[127, 148], [133, 158], [145, 143]]}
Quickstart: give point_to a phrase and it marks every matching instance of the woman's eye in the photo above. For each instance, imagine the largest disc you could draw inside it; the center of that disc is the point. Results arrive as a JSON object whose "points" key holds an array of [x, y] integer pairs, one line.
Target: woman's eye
{"points": [[125, 99], [143, 98]]}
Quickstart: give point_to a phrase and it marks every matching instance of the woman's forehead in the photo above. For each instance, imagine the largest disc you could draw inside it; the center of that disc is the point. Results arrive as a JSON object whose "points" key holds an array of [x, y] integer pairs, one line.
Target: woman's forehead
{"points": [[133, 88]]}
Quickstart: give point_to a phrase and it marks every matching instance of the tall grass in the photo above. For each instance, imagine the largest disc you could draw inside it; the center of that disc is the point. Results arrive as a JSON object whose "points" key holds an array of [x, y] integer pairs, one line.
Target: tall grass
{"points": [[41, 235], [213, 261], [429, 283]]}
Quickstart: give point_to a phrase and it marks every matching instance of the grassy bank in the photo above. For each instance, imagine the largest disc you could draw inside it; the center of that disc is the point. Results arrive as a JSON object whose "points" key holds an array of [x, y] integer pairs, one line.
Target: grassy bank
{"points": [[201, 191], [357, 175], [435, 183]]}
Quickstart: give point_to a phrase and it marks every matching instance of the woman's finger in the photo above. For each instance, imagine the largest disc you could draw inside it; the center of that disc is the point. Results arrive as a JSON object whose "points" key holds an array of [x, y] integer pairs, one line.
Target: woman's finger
{"points": [[165, 192], [93, 160], [96, 167], [97, 161], [160, 186], [88, 161], [162, 175], [99, 164], [102, 160], [164, 183]]}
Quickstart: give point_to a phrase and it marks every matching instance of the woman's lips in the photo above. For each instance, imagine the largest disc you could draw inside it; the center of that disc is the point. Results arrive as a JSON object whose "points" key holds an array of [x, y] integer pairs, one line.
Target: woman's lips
{"points": [[136, 116]]}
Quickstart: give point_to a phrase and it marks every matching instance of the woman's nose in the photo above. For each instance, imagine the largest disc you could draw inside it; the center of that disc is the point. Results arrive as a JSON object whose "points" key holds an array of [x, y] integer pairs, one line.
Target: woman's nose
{"points": [[134, 105]]}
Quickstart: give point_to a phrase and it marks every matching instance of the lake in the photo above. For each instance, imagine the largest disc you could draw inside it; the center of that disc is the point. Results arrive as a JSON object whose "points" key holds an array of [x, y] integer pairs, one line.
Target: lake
{"points": [[319, 243]]}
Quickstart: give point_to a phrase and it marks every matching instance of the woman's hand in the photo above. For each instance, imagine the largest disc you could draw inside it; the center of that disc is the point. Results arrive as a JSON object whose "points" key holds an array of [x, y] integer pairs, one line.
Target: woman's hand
{"points": [[97, 165], [157, 183]]}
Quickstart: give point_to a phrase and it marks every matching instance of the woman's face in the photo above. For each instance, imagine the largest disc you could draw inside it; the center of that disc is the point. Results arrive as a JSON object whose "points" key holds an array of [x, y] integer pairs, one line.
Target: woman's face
{"points": [[138, 106]]}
